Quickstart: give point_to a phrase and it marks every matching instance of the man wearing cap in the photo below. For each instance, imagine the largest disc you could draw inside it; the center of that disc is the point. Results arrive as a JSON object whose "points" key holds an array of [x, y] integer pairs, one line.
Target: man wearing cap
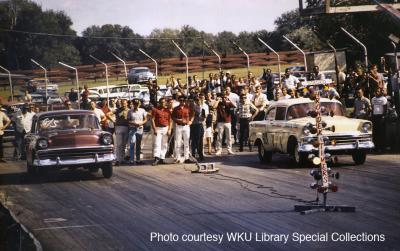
{"points": [[137, 117], [162, 125], [23, 123], [183, 118]]}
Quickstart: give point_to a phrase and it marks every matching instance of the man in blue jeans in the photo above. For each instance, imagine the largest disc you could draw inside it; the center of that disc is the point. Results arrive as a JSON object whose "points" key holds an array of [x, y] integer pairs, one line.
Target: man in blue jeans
{"points": [[137, 117]]}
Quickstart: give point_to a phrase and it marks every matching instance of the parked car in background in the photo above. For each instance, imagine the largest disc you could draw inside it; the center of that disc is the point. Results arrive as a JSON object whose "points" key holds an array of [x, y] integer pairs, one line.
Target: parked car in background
{"points": [[69, 139], [287, 128], [139, 75]]}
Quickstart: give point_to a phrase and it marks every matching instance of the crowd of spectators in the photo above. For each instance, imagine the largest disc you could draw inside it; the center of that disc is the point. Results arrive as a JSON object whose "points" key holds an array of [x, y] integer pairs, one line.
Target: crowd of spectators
{"points": [[216, 110]]}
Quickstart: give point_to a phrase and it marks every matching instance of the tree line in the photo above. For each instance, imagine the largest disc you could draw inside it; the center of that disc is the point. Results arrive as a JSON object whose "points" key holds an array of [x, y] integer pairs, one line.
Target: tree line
{"points": [[310, 33]]}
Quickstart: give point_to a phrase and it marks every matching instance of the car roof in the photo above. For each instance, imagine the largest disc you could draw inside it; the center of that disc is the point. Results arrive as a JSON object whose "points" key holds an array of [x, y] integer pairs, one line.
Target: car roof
{"points": [[65, 112], [295, 101], [140, 68]]}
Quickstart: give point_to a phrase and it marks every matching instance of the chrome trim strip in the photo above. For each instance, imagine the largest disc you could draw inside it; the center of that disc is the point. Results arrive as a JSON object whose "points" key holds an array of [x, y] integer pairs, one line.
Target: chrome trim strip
{"points": [[101, 147], [58, 162], [365, 145]]}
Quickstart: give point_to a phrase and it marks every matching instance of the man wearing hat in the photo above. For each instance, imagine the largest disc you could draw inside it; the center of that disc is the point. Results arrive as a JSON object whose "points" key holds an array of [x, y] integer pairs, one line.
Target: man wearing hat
{"points": [[183, 118], [23, 122]]}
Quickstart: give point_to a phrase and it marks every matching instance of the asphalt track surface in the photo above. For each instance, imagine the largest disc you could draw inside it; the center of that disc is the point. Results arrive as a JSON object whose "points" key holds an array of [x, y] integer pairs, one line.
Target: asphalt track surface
{"points": [[77, 210]]}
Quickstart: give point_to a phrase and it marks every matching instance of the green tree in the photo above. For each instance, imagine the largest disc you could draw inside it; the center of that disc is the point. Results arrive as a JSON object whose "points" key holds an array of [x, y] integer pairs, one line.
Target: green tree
{"points": [[18, 48]]}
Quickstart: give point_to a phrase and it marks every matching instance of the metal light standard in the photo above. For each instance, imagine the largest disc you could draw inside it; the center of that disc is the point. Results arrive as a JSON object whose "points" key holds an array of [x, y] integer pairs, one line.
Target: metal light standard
{"points": [[187, 64], [152, 59], [11, 85], [45, 81], [302, 52], [365, 55], [247, 55], [216, 54], [105, 65], [124, 63], [277, 55], [77, 81]]}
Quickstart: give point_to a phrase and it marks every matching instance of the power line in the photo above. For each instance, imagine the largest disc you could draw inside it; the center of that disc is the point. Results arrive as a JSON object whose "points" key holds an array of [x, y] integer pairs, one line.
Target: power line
{"points": [[94, 37]]}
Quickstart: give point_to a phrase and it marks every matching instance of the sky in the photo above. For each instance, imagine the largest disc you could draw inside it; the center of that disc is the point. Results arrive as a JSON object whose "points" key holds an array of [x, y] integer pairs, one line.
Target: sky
{"points": [[142, 16]]}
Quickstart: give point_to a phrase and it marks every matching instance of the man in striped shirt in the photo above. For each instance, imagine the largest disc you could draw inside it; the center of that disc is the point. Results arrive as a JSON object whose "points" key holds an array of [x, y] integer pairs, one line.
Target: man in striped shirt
{"points": [[245, 116]]}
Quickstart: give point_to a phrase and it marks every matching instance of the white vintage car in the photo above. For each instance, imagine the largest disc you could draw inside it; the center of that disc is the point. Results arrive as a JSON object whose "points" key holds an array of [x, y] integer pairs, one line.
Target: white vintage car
{"points": [[288, 128]]}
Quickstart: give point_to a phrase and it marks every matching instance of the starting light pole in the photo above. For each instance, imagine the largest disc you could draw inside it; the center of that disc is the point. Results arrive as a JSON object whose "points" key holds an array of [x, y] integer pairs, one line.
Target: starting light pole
{"points": [[105, 65], [77, 81], [45, 81]]}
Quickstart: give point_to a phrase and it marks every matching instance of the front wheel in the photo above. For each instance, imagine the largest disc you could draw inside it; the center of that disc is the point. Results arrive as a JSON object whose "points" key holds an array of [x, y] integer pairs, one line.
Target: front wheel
{"points": [[359, 157], [299, 158], [107, 170], [263, 155]]}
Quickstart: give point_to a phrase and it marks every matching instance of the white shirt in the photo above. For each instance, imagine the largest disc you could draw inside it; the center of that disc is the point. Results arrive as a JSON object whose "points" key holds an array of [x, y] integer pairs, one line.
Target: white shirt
{"points": [[234, 98], [137, 117], [260, 100], [290, 82], [378, 105], [23, 122], [99, 113]]}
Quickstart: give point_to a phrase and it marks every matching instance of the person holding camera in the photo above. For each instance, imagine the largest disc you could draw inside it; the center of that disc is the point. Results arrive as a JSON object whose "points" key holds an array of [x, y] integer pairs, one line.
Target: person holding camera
{"points": [[224, 119]]}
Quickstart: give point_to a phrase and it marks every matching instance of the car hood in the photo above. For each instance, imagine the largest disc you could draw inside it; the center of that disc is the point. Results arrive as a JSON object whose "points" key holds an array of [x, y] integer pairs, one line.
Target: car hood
{"points": [[72, 138], [341, 123]]}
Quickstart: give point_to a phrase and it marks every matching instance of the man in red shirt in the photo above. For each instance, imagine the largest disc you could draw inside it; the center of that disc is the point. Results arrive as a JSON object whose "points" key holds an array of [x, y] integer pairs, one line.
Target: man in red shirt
{"points": [[162, 125], [224, 119], [183, 118]]}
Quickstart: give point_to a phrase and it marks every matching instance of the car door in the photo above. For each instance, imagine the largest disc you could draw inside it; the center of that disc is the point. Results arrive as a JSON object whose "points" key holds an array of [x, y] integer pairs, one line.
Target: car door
{"points": [[281, 130], [269, 133]]}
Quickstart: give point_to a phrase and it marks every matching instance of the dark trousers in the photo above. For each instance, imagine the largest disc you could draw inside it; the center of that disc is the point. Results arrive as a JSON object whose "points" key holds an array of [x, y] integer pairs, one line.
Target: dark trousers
{"points": [[244, 132], [196, 137], [138, 145], [378, 132], [1, 147], [234, 122], [20, 142]]}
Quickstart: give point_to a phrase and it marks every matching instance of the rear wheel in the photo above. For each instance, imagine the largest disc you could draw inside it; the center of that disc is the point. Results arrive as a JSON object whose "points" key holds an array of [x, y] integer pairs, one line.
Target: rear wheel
{"points": [[107, 170], [263, 155], [359, 157]]}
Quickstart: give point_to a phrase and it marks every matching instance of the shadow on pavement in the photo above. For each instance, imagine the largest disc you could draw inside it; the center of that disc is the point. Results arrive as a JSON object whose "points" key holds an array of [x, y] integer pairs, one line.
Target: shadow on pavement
{"points": [[52, 176]]}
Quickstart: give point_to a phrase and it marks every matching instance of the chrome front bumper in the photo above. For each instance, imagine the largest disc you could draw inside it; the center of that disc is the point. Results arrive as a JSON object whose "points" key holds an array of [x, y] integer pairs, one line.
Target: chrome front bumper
{"points": [[358, 145], [59, 161]]}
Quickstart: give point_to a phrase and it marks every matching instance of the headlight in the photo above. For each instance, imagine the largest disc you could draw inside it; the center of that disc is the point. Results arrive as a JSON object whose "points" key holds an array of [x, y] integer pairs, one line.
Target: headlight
{"points": [[306, 129], [366, 127], [42, 144], [106, 139]]}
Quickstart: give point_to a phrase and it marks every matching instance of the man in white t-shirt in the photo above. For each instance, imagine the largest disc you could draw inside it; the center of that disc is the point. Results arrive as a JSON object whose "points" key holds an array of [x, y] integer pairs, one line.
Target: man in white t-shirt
{"points": [[23, 123], [379, 108], [137, 117], [98, 112]]}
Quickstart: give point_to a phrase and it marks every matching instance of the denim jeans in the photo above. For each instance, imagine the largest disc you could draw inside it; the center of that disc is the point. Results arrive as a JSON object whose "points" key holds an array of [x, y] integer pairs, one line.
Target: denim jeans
{"points": [[138, 144]]}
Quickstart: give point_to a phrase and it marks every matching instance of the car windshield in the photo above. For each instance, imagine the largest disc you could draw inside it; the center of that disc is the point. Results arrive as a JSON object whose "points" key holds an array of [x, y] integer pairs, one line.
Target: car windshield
{"points": [[141, 70], [301, 110], [67, 122]]}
